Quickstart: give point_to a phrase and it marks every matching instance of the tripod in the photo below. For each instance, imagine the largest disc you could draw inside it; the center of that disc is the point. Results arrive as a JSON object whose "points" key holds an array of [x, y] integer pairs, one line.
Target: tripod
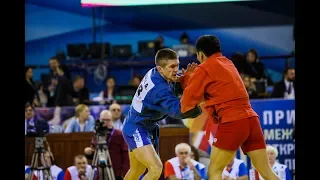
{"points": [[42, 169], [102, 160]]}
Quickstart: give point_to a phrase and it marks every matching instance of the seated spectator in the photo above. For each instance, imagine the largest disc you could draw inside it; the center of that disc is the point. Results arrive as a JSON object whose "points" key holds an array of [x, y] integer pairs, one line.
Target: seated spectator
{"points": [[82, 122], [56, 172], [108, 95], [80, 170], [257, 68], [31, 122], [136, 80], [236, 169], [118, 148], [280, 169], [285, 88], [240, 62], [182, 166], [116, 117], [80, 94], [250, 87]]}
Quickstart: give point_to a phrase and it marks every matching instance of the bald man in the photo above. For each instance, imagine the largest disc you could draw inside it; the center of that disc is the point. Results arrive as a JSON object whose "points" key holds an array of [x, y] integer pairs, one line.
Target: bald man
{"points": [[116, 112]]}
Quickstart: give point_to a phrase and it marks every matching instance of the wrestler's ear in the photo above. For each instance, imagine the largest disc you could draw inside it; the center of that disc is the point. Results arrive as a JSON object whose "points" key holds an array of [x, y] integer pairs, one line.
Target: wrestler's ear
{"points": [[159, 68], [200, 56]]}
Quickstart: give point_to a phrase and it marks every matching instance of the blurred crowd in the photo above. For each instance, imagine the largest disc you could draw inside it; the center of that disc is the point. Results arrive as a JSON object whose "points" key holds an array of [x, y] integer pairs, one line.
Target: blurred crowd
{"points": [[61, 87]]}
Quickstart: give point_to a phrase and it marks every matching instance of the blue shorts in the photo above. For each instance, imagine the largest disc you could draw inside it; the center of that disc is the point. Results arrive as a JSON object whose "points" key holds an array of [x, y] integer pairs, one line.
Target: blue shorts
{"points": [[140, 137]]}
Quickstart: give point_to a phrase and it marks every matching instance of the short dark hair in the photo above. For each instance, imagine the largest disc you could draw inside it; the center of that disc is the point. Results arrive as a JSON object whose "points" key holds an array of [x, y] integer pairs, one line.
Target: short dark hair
{"points": [[286, 70], [254, 52], [165, 54], [54, 58], [184, 36], [77, 77], [208, 44], [27, 105], [110, 77]]}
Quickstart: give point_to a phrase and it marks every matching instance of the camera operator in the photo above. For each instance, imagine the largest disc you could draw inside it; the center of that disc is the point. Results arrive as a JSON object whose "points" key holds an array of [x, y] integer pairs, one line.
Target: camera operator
{"points": [[118, 149]]}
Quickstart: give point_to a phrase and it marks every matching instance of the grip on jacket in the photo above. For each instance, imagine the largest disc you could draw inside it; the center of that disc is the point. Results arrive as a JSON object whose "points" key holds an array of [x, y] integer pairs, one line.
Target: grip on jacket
{"points": [[193, 113]]}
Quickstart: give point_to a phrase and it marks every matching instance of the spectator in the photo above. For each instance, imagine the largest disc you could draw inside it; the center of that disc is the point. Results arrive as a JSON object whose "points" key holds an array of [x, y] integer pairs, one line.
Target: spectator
{"points": [[285, 88], [56, 172], [280, 169], [31, 121], [236, 169], [136, 80], [182, 166], [250, 87], [80, 170], [257, 67], [80, 94], [31, 93], [82, 122], [118, 148], [117, 119], [111, 89]]}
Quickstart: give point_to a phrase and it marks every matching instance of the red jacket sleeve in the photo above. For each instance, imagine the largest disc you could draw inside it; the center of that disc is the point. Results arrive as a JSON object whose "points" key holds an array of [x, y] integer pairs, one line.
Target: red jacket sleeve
{"points": [[168, 170], [67, 175], [184, 80], [193, 92]]}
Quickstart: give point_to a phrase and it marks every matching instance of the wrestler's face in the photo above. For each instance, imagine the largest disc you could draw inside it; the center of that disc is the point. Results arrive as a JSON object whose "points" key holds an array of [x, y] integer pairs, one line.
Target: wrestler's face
{"points": [[170, 70]]}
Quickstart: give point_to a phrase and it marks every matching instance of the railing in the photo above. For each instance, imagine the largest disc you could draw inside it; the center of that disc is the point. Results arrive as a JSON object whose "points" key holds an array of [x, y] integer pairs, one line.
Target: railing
{"points": [[137, 61]]}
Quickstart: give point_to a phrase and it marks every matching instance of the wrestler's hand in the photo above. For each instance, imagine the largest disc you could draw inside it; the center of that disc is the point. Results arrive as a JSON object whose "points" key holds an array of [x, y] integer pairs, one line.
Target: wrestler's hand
{"points": [[190, 69]]}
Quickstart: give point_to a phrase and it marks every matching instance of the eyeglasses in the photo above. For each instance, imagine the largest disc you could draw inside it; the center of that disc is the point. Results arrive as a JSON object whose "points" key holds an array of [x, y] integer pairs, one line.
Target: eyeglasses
{"points": [[115, 110], [182, 153], [106, 119]]}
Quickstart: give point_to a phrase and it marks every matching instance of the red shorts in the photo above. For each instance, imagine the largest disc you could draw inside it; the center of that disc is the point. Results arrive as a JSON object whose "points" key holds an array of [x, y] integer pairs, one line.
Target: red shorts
{"points": [[244, 133]]}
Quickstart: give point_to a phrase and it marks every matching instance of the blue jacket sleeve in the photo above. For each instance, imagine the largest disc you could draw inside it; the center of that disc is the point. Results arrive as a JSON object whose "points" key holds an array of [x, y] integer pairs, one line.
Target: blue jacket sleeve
{"points": [[243, 171], [169, 103], [91, 122], [60, 176], [288, 174], [27, 171], [69, 128]]}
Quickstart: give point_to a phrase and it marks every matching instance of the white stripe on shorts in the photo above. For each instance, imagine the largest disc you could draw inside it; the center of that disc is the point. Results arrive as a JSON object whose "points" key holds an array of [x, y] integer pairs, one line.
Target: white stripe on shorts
{"points": [[137, 138]]}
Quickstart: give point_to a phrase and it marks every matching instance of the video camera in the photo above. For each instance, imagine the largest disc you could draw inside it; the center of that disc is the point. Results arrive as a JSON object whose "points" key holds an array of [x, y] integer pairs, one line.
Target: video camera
{"points": [[100, 130], [40, 129]]}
